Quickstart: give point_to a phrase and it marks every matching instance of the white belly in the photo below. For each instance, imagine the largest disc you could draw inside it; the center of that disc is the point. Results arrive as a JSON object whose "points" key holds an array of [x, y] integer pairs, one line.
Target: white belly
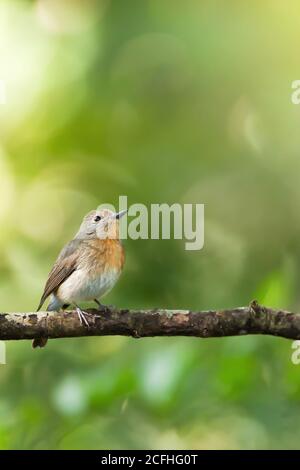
{"points": [[80, 287]]}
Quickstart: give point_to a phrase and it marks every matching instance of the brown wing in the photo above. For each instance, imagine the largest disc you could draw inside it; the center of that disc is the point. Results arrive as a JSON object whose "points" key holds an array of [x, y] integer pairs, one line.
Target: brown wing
{"points": [[65, 265]]}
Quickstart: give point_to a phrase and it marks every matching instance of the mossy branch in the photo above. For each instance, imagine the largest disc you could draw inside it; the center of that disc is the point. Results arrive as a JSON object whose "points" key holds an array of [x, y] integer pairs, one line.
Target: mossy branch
{"points": [[254, 319]]}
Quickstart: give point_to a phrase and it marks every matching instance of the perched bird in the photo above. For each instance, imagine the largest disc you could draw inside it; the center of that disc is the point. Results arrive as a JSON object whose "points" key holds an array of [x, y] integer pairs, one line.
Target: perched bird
{"points": [[87, 267]]}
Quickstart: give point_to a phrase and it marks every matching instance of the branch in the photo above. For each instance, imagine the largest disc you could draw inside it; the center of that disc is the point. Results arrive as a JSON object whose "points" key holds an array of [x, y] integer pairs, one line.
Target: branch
{"points": [[254, 319]]}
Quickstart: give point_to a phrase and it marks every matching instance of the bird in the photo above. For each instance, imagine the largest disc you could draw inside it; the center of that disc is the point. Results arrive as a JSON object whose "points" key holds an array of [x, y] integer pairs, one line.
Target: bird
{"points": [[87, 268]]}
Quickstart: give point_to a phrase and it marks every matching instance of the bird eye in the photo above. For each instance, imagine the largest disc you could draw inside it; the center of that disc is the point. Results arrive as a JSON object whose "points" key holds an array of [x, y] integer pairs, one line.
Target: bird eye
{"points": [[97, 218]]}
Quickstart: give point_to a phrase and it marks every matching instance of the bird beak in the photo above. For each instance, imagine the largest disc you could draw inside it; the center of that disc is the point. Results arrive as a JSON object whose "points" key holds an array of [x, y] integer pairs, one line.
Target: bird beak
{"points": [[120, 214]]}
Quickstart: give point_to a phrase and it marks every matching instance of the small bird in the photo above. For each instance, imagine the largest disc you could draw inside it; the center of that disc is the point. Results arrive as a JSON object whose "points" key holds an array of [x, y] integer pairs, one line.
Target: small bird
{"points": [[88, 266]]}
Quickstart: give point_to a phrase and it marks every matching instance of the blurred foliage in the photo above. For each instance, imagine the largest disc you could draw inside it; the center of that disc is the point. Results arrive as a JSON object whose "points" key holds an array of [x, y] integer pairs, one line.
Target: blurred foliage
{"points": [[163, 101]]}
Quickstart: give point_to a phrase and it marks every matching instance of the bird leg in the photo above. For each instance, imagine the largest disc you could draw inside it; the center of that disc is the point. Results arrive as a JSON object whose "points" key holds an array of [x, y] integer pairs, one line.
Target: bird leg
{"points": [[99, 303], [82, 316], [101, 306]]}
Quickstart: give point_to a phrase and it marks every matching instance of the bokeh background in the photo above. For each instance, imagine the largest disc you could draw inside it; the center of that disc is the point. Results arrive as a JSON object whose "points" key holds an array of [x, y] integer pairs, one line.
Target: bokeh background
{"points": [[162, 101]]}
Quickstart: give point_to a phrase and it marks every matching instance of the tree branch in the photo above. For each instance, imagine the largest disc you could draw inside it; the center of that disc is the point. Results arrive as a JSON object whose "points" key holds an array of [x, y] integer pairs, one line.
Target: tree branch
{"points": [[254, 319]]}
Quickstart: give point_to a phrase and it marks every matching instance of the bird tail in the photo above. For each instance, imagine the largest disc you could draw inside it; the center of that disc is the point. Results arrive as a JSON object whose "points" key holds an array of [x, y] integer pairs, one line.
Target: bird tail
{"points": [[54, 305], [39, 342]]}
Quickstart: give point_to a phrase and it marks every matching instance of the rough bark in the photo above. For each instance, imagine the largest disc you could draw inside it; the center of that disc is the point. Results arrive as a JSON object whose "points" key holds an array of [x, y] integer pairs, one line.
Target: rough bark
{"points": [[254, 319]]}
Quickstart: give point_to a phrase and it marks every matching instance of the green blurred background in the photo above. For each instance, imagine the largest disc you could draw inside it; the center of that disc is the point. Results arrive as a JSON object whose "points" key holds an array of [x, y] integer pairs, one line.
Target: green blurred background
{"points": [[163, 101]]}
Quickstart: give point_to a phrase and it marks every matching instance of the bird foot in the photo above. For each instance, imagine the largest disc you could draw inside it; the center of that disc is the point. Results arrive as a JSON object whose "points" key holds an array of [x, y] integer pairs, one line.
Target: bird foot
{"points": [[104, 308], [82, 316]]}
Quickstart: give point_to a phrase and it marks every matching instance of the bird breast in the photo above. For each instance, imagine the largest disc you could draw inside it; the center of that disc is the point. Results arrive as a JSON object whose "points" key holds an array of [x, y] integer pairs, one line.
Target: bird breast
{"points": [[99, 267]]}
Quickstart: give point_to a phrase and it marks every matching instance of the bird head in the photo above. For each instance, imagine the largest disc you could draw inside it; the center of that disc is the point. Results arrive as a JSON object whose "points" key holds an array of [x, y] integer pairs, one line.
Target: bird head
{"points": [[102, 224]]}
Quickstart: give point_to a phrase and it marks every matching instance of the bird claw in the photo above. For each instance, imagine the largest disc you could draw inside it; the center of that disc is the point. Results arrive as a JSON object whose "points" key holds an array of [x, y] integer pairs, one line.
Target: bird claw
{"points": [[82, 316]]}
